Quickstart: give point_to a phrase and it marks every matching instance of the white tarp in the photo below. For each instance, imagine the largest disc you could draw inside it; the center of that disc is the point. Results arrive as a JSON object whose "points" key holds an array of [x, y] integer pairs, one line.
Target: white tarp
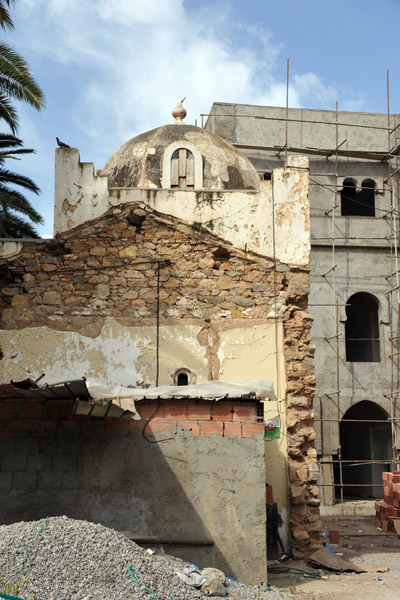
{"points": [[210, 390], [115, 400]]}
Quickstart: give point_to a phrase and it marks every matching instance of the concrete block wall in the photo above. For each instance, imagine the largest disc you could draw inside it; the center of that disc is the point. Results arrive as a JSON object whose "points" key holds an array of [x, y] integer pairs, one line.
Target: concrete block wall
{"points": [[188, 470]]}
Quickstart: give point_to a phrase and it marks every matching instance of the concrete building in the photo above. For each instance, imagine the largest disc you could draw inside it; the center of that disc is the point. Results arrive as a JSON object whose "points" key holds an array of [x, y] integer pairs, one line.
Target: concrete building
{"points": [[354, 190], [174, 265]]}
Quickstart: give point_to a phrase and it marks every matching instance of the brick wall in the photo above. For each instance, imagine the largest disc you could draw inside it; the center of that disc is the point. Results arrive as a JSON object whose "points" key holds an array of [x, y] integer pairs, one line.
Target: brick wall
{"points": [[171, 475]]}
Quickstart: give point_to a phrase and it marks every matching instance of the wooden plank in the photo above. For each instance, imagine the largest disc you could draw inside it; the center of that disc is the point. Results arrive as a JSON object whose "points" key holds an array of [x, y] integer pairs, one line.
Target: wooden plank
{"points": [[182, 162], [174, 172], [190, 172], [182, 183]]}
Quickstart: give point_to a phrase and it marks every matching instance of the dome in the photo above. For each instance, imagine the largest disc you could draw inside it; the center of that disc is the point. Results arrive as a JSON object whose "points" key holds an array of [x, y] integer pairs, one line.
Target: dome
{"points": [[144, 160]]}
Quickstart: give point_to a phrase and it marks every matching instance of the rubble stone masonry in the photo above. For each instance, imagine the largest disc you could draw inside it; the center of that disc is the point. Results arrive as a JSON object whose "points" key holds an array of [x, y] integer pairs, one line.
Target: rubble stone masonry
{"points": [[108, 268]]}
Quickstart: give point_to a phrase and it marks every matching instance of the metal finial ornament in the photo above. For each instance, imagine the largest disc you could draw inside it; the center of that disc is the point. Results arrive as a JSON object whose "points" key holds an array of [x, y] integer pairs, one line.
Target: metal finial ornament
{"points": [[179, 112]]}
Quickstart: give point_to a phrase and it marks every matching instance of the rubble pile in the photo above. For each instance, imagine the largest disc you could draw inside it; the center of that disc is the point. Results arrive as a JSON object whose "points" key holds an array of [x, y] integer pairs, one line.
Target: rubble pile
{"points": [[66, 559]]}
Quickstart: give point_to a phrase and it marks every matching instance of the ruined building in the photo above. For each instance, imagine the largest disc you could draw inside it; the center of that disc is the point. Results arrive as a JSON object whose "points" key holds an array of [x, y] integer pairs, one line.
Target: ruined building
{"points": [[354, 204], [175, 265]]}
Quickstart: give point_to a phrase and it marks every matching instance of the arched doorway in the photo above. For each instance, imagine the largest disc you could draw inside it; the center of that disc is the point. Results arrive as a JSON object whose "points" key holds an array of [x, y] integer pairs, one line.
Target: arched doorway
{"points": [[366, 441]]}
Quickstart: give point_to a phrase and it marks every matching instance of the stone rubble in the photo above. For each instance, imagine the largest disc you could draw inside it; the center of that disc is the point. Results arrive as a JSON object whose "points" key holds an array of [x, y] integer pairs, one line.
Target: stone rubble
{"points": [[78, 560]]}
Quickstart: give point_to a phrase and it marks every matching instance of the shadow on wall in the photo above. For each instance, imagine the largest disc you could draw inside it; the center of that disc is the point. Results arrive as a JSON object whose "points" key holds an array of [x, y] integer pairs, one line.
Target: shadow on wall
{"points": [[186, 488]]}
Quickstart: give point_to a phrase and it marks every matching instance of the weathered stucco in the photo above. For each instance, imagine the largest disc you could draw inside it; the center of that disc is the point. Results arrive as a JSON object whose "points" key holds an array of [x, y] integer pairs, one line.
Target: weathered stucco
{"points": [[243, 218]]}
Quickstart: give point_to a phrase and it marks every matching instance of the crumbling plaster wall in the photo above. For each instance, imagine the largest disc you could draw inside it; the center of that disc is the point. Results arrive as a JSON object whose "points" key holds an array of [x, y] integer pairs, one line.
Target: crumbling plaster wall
{"points": [[98, 283], [242, 218]]}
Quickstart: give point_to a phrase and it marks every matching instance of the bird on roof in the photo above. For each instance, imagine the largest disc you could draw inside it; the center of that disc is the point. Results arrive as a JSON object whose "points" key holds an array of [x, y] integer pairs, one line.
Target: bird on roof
{"points": [[61, 144]]}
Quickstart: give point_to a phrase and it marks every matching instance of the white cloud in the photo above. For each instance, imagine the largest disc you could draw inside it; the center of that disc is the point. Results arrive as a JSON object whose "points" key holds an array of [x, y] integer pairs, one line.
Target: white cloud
{"points": [[134, 60], [113, 70]]}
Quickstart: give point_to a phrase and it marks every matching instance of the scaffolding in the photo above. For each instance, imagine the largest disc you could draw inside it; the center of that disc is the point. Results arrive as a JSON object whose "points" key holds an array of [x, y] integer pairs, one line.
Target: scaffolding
{"points": [[390, 157]]}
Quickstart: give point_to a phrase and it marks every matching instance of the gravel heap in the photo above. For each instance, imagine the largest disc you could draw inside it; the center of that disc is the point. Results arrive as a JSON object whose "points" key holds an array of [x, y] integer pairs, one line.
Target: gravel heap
{"points": [[77, 560]]}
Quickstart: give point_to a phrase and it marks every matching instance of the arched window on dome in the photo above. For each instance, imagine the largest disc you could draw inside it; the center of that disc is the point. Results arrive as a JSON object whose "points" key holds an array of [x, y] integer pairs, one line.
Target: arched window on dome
{"points": [[182, 169]]}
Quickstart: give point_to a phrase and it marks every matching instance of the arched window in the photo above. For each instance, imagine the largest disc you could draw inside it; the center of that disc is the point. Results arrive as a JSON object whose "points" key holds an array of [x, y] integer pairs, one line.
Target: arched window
{"points": [[366, 197], [347, 197], [183, 376], [362, 328], [182, 169], [358, 204], [182, 379]]}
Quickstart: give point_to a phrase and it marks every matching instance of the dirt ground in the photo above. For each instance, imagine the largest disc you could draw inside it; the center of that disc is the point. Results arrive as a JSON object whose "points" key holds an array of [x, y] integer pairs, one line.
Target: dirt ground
{"points": [[361, 543]]}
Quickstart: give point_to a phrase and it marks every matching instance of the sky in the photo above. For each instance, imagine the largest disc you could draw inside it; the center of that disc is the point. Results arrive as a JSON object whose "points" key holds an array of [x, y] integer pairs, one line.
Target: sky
{"points": [[112, 70]]}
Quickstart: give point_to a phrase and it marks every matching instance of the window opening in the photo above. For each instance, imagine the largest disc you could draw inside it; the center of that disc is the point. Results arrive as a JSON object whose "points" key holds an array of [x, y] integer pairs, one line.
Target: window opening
{"points": [[364, 441], [182, 169], [358, 204], [362, 329], [182, 379]]}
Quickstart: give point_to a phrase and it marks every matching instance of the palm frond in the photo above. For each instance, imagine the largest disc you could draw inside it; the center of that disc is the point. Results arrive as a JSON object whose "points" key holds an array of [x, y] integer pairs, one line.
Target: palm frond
{"points": [[13, 226], [5, 19], [16, 79], [15, 201], [7, 176]]}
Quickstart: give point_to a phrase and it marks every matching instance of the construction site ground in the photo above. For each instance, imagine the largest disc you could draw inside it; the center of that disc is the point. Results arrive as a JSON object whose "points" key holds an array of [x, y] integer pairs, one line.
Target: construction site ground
{"points": [[361, 543]]}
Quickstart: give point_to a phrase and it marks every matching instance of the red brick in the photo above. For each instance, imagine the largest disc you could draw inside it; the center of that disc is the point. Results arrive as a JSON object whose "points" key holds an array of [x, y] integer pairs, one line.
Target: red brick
{"points": [[232, 429], [18, 427], [117, 427], [8, 411], [149, 411], [252, 429], [244, 414], [199, 412], [221, 413], [167, 426], [30, 411], [209, 428], [57, 409], [3, 429], [173, 412], [191, 426]]}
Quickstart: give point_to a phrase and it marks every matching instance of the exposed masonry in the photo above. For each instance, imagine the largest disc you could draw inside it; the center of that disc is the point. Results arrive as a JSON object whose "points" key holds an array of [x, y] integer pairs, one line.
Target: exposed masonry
{"points": [[202, 285]]}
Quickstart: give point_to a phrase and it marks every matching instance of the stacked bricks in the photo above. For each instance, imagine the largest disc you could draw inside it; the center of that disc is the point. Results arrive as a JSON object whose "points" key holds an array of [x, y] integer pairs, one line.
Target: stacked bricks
{"points": [[388, 509]]}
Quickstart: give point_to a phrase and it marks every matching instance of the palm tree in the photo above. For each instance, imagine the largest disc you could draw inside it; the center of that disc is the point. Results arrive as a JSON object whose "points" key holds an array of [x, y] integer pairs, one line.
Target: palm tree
{"points": [[13, 203]]}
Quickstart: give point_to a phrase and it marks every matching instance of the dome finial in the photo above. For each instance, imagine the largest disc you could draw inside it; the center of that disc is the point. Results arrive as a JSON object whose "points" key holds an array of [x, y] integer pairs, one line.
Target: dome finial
{"points": [[179, 112]]}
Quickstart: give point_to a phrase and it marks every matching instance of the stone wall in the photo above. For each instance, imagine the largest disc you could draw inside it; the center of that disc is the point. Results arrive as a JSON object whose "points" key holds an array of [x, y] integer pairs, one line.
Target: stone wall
{"points": [[190, 471], [99, 284]]}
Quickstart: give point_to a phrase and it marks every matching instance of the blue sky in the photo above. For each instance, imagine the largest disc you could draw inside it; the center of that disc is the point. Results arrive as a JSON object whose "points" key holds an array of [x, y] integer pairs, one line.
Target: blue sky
{"points": [[111, 70]]}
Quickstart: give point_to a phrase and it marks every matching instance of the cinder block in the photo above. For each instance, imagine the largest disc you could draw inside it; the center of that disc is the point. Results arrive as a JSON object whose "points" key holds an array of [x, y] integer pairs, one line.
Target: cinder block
{"points": [[5, 480], [64, 462], [50, 480], [26, 446], [199, 412], [22, 480], [232, 429], [38, 462], [249, 429], [150, 411], [93, 429], [221, 412], [8, 410], [246, 414], [175, 413], [189, 427], [209, 428], [6, 447], [14, 462], [70, 480], [30, 410]]}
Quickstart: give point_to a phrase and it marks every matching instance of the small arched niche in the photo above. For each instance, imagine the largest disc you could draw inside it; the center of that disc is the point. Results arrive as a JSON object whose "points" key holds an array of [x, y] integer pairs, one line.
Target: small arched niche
{"points": [[362, 328], [183, 376]]}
